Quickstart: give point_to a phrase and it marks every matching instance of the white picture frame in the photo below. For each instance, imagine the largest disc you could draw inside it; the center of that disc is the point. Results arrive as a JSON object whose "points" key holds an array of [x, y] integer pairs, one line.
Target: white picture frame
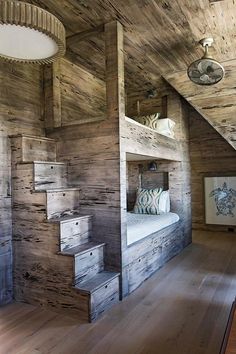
{"points": [[220, 200]]}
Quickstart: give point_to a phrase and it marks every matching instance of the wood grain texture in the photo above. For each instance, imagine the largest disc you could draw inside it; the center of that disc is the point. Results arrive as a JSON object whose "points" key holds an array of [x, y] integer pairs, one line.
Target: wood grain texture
{"points": [[160, 247], [230, 345], [210, 156], [21, 111], [41, 275], [72, 95], [161, 38], [215, 103], [182, 309], [93, 153]]}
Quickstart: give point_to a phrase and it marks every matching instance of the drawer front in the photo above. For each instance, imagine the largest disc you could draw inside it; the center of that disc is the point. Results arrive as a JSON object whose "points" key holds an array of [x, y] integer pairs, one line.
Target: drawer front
{"points": [[103, 298], [88, 264], [75, 232]]}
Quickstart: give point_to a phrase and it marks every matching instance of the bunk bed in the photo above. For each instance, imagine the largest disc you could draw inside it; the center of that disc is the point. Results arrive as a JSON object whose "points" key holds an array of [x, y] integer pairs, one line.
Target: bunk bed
{"points": [[153, 239], [140, 226]]}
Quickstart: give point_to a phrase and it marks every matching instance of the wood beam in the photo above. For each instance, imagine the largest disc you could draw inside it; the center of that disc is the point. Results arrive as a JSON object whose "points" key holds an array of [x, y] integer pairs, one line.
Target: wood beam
{"points": [[52, 95], [114, 48], [82, 36]]}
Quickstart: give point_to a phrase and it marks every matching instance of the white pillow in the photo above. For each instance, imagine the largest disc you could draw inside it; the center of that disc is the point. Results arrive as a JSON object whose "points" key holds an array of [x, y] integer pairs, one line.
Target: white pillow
{"points": [[165, 126], [164, 202]]}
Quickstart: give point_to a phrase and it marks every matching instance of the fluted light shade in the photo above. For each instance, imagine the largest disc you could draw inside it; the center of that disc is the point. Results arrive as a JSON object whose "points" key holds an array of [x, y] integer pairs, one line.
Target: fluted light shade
{"points": [[29, 34]]}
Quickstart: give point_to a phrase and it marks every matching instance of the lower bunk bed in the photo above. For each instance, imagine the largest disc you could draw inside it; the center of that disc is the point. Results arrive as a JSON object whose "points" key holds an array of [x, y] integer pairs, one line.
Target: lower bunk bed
{"points": [[140, 226], [152, 240]]}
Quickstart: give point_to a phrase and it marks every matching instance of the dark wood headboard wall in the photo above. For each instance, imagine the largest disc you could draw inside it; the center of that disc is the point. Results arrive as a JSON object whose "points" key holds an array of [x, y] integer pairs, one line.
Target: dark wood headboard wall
{"points": [[138, 175]]}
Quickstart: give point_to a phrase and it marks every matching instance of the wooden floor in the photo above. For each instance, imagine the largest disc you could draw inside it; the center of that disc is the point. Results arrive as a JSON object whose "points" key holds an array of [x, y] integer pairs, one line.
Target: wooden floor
{"points": [[182, 309], [231, 346]]}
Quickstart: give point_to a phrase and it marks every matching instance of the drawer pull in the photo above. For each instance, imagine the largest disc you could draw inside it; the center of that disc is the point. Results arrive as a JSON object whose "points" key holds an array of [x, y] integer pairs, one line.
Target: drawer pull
{"points": [[91, 253], [106, 286], [76, 223], [51, 167], [64, 194]]}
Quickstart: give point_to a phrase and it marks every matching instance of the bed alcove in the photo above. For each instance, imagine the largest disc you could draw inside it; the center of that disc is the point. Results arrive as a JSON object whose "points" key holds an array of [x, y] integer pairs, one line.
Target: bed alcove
{"points": [[163, 235]]}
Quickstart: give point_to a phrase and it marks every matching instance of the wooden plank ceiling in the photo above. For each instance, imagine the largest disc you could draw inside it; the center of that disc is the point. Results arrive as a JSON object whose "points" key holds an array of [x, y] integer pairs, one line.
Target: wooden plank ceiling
{"points": [[161, 38]]}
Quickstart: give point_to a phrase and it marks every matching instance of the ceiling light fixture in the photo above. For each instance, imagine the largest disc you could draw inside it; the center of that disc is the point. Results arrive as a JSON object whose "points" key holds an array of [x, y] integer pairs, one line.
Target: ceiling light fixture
{"points": [[206, 71], [29, 34]]}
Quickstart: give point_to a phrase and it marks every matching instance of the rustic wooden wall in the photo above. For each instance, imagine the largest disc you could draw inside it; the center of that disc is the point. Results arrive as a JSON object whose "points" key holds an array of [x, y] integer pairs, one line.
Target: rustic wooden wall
{"points": [[20, 112], [72, 95], [211, 155], [138, 175], [148, 105], [213, 102], [82, 95]]}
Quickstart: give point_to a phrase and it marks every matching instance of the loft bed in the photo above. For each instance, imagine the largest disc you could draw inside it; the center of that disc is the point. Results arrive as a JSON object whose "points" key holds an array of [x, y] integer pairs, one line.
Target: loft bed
{"points": [[140, 139]]}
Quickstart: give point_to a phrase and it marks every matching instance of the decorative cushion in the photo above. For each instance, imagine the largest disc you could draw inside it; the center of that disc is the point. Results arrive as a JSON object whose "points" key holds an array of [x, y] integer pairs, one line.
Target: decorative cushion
{"points": [[165, 126], [164, 202], [147, 201], [149, 120]]}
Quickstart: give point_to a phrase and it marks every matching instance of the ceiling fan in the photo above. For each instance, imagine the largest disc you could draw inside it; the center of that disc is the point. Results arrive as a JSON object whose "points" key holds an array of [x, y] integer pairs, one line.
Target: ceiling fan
{"points": [[206, 71]]}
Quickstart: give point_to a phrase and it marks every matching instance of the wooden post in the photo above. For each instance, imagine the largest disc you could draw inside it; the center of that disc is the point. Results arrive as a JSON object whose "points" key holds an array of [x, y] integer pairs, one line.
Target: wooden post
{"points": [[115, 97], [52, 95], [114, 39]]}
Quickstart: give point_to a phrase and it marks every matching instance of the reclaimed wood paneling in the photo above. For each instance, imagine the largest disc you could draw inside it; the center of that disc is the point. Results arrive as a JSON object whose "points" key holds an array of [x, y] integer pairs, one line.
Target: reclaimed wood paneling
{"points": [[215, 103], [210, 156], [21, 111], [138, 175], [160, 38], [72, 95], [82, 95]]}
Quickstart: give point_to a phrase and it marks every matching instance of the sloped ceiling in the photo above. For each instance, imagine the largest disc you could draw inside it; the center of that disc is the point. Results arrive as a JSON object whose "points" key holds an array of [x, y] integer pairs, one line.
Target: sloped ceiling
{"points": [[161, 38]]}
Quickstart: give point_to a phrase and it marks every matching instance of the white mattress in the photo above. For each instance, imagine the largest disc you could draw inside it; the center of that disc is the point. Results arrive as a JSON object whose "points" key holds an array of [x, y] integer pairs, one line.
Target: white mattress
{"points": [[142, 225]]}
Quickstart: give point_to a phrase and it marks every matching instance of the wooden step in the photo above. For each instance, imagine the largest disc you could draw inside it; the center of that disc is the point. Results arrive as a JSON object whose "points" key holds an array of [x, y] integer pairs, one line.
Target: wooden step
{"points": [[26, 148], [49, 175], [62, 202], [88, 260], [74, 230], [103, 292]]}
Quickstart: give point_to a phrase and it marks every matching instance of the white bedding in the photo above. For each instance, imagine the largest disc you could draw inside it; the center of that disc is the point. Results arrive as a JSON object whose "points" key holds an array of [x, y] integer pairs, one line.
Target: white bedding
{"points": [[142, 225], [165, 126]]}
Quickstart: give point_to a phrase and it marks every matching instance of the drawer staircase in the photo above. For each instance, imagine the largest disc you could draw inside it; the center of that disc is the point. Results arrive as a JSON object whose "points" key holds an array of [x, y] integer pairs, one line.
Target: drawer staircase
{"points": [[56, 262]]}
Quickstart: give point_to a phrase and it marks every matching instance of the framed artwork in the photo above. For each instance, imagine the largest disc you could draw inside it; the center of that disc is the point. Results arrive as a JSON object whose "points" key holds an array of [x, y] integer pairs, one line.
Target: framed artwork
{"points": [[220, 200]]}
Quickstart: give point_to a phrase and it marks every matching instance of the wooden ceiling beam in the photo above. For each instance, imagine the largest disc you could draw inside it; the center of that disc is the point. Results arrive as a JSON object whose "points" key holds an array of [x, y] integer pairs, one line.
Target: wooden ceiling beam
{"points": [[82, 36]]}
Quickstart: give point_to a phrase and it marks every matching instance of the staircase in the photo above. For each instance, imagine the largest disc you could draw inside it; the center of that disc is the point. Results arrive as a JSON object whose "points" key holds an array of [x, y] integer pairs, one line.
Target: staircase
{"points": [[56, 262]]}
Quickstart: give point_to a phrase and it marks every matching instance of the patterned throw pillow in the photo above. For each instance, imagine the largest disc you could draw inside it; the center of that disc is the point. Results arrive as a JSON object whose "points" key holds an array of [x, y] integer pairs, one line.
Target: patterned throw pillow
{"points": [[149, 121], [147, 201]]}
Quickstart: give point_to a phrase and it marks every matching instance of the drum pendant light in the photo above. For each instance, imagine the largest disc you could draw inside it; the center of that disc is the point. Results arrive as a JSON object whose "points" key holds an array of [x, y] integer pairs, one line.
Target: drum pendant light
{"points": [[29, 34], [206, 71]]}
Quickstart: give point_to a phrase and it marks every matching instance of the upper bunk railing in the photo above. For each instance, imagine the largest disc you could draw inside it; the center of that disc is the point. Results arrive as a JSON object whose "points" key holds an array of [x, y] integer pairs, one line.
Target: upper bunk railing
{"points": [[139, 139]]}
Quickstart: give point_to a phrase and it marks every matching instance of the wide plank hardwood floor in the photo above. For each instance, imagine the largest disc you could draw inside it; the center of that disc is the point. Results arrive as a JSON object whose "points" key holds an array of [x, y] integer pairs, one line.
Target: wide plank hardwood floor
{"points": [[182, 309]]}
